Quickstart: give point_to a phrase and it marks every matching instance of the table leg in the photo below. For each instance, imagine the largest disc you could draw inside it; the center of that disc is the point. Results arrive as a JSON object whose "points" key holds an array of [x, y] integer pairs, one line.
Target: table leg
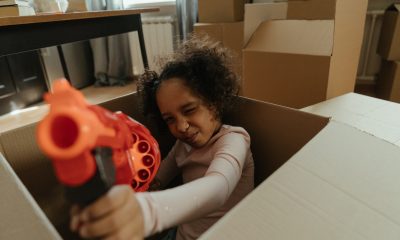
{"points": [[141, 42]]}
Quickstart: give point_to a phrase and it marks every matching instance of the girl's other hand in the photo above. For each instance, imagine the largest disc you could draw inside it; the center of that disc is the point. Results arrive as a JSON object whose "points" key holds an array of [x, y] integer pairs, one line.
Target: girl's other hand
{"points": [[116, 215]]}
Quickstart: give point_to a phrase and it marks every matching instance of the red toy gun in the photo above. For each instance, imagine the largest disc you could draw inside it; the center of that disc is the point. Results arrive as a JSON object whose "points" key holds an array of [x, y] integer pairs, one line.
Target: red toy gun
{"points": [[92, 148]]}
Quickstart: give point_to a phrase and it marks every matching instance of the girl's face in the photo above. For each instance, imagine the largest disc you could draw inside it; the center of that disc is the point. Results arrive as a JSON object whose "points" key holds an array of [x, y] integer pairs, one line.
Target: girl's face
{"points": [[186, 115]]}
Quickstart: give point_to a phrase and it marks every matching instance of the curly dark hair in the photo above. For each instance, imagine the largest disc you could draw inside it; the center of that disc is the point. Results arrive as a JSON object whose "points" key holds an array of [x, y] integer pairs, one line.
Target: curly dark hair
{"points": [[206, 68]]}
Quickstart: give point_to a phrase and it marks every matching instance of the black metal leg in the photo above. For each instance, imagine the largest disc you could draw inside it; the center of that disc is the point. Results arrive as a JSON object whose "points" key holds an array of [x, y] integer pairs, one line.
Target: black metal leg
{"points": [[63, 62], [141, 42]]}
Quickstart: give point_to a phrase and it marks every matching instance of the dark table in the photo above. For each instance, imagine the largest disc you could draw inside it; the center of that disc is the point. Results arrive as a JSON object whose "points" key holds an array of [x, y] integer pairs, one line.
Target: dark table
{"points": [[24, 33]]}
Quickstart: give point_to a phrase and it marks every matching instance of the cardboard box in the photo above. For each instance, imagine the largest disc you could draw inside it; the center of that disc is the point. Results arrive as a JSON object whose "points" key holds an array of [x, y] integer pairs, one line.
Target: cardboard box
{"points": [[77, 6], [21, 217], [329, 180], [274, 131], [299, 53], [229, 34], [388, 82], [211, 11], [16, 10], [389, 41], [372, 115], [340, 185]]}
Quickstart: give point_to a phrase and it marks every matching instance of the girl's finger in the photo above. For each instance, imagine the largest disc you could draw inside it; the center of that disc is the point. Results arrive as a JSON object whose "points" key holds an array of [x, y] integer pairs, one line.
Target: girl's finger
{"points": [[74, 213]]}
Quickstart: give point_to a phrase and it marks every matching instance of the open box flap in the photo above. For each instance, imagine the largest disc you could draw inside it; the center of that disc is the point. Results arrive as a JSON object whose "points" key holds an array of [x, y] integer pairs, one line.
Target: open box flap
{"points": [[21, 217], [338, 186], [256, 13], [294, 36]]}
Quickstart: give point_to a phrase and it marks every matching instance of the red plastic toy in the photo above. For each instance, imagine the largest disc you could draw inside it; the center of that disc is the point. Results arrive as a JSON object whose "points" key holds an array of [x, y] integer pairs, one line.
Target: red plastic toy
{"points": [[74, 129]]}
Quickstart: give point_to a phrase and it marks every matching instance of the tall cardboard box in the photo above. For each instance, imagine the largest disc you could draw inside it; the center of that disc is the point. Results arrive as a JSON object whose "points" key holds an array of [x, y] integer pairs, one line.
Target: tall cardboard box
{"points": [[212, 11], [389, 41], [298, 53], [229, 34], [388, 82]]}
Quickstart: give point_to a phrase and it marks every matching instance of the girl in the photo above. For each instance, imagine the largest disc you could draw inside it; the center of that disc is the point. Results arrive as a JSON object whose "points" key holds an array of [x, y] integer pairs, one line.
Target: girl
{"points": [[190, 96]]}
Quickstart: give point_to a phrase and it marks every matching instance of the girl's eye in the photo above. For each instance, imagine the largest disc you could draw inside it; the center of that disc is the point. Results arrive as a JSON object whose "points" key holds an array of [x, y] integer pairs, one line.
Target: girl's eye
{"points": [[190, 110]]}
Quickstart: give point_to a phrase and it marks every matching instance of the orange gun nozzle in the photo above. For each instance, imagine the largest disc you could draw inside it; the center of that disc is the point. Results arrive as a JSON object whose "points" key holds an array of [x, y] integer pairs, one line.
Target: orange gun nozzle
{"points": [[73, 131], [69, 131], [70, 127], [64, 132]]}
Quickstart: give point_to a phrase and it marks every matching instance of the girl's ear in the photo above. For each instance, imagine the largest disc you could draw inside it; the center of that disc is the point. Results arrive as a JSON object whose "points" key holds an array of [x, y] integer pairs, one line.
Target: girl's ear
{"points": [[215, 111]]}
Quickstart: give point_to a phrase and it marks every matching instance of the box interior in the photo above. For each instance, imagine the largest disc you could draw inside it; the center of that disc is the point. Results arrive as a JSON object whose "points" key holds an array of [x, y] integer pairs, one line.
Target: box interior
{"points": [[277, 133]]}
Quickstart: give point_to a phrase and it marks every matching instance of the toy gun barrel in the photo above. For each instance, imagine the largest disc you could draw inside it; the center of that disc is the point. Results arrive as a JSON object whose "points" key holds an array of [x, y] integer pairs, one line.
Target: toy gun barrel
{"points": [[92, 148], [69, 132]]}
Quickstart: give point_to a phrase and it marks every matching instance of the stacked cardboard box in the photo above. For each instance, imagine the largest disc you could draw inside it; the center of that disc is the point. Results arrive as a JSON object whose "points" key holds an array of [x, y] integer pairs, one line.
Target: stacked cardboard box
{"points": [[298, 53], [77, 6], [388, 83], [223, 21], [10, 8]]}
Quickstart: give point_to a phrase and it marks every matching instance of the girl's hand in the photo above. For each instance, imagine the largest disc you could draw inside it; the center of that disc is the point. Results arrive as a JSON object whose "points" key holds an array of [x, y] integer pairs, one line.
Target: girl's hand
{"points": [[116, 215]]}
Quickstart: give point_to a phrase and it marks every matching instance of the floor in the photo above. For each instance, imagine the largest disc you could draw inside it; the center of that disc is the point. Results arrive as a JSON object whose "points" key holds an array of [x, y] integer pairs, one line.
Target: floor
{"points": [[94, 95]]}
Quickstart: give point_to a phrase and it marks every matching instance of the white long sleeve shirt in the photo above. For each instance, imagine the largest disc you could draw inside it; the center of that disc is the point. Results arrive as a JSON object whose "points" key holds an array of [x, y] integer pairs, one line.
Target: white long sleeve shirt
{"points": [[216, 177]]}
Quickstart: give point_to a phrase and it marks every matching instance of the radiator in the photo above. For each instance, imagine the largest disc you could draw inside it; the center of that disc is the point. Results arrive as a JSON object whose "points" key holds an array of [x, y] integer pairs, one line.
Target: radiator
{"points": [[159, 32]]}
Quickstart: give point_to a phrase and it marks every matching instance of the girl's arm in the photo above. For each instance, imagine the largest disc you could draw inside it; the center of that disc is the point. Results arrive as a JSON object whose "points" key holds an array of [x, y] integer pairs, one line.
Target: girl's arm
{"points": [[190, 201]]}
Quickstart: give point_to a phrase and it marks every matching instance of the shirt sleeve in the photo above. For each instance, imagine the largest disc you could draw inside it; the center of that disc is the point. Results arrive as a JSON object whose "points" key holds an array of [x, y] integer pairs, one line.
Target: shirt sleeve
{"points": [[168, 208]]}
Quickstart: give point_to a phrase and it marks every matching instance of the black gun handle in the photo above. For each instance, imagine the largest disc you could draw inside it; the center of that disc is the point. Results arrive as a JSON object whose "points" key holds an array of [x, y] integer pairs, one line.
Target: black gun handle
{"points": [[99, 184]]}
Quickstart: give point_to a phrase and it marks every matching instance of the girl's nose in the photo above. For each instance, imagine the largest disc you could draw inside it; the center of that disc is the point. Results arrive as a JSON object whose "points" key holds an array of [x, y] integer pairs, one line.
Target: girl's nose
{"points": [[183, 125]]}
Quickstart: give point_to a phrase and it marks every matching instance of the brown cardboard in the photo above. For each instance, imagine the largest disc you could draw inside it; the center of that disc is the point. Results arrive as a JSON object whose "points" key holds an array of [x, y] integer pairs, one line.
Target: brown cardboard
{"points": [[314, 38], [258, 13], [277, 133], [1, 149], [288, 60], [296, 10], [372, 115], [388, 82], [311, 9], [340, 185], [21, 218], [389, 41], [229, 34], [317, 178], [280, 59], [76, 6], [211, 11]]}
